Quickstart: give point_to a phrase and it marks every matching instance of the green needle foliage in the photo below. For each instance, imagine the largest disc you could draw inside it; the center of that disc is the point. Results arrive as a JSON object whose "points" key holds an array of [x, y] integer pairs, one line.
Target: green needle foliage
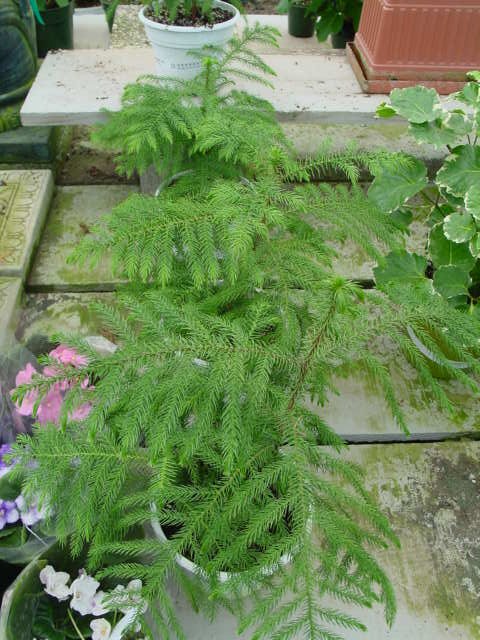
{"points": [[232, 319]]}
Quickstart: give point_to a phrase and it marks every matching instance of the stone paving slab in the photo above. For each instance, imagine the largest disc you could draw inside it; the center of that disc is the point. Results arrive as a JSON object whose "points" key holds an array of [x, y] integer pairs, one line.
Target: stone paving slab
{"points": [[73, 87], [358, 412], [32, 144], [45, 314], [10, 294], [430, 492], [74, 210], [24, 200]]}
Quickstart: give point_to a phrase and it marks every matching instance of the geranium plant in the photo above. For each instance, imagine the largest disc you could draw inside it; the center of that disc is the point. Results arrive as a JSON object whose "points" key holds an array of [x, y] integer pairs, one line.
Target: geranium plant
{"points": [[233, 318], [452, 200]]}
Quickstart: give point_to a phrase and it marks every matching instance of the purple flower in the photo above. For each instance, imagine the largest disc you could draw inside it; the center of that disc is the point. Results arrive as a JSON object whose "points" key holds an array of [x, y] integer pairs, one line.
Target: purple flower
{"points": [[5, 449], [29, 513], [8, 513]]}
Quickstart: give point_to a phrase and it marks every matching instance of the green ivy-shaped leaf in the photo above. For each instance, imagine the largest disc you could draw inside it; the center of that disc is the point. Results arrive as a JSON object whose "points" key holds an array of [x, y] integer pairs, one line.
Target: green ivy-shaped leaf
{"points": [[461, 170], [472, 201], [474, 75], [392, 188], [474, 246], [444, 252], [384, 110], [416, 104], [451, 281], [402, 218], [400, 265], [459, 227], [458, 122], [435, 133]]}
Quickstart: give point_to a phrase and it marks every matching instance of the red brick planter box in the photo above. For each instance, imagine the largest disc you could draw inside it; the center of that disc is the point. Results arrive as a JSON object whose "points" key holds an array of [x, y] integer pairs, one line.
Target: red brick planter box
{"points": [[404, 42]]}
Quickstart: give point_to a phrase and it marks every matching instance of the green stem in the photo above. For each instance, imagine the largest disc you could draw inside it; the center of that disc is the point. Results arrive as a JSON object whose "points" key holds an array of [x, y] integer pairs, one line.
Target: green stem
{"points": [[72, 619]]}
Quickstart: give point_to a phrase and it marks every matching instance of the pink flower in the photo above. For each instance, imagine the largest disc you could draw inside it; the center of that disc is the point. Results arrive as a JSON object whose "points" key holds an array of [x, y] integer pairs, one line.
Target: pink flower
{"points": [[81, 412], [49, 408], [50, 372], [25, 408], [68, 355]]}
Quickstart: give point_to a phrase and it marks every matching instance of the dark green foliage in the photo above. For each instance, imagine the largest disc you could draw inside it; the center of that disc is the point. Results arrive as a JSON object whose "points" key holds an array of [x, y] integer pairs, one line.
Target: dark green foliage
{"points": [[233, 318]]}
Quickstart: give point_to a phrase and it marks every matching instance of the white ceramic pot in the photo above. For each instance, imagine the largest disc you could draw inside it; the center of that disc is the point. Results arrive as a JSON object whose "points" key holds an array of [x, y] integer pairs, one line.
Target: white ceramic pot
{"points": [[171, 44], [192, 568]]}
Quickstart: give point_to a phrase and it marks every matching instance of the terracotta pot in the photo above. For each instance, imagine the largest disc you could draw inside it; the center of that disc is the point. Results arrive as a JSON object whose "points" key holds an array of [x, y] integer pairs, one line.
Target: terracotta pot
{"points": [[405, 42]]}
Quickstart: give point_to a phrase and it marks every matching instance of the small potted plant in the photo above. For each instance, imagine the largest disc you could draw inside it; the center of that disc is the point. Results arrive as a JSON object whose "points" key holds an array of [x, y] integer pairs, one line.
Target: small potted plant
{"points": [[175, 29], [54, 24], [338, 19], [301, 22]]}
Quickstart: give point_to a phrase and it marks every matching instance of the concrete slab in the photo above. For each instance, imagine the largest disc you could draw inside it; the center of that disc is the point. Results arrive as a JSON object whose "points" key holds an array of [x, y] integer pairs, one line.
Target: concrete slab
{"points": [[32, 144], [90, 30], [430, 493], [44, 314], [73, 87], [10, 293], [24, 200], [74, 211]]}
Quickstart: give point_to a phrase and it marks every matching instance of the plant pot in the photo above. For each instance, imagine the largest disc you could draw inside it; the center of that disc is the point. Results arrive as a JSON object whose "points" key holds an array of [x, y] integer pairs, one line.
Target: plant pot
{"points": [[109, 12], [193, 569], [435, 364], [18, 51], [57, 32], [172, 44], [347, 34], [402, 43], [300, 24]]}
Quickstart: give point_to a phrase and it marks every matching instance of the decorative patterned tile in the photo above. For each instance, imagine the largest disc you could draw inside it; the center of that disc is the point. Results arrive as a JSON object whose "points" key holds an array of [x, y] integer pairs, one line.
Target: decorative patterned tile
{"points": [[10, 292], [24, 200]]}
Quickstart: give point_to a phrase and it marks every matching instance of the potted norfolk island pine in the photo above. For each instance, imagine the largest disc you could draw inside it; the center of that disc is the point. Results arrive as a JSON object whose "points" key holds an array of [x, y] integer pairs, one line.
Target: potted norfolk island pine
{"points": [[175, 29], [199, 429]]}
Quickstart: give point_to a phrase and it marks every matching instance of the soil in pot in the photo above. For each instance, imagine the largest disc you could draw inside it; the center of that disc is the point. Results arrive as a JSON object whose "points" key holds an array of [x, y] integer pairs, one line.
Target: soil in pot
{"points": [[57, 32], [216, 16], [300, 24], [347, 34]]}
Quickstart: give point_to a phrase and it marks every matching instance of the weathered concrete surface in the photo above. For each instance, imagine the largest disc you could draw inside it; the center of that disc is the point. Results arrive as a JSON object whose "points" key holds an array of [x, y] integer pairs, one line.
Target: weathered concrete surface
{"points": [[24, 200], [46, 314], [10, 294], [73, 87], [86, 164], [431, 495], [90, 30], [74, 210], [32, 144]]}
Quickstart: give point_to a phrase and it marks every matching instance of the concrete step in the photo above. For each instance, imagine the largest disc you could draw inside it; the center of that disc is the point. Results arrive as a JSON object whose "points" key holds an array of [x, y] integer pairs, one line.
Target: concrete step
{"points": [[75, 209], [10, 296], [73, 213]]}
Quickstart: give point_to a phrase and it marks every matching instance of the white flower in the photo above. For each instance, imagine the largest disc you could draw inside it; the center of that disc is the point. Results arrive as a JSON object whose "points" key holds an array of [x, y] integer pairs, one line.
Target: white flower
{"points": [[84, 589], [98, 607], [101, 629], [55, 583]]}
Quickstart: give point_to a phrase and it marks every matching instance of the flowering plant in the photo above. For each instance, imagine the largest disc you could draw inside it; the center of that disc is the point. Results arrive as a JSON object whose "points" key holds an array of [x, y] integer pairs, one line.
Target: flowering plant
{"points": [[79, 609], [21, 531], [48, 409]]}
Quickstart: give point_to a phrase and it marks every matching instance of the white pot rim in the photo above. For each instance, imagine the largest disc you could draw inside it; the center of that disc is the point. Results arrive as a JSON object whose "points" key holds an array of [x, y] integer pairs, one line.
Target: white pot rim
{"points": [[179, 29]]}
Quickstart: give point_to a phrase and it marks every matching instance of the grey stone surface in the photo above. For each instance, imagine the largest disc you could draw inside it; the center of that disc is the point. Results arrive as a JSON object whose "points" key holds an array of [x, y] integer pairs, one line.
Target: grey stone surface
{"points": [[430, 492], [74, 210], [73, 87], [27, 144], [44, 314], [10, 293], [24, 200]]}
